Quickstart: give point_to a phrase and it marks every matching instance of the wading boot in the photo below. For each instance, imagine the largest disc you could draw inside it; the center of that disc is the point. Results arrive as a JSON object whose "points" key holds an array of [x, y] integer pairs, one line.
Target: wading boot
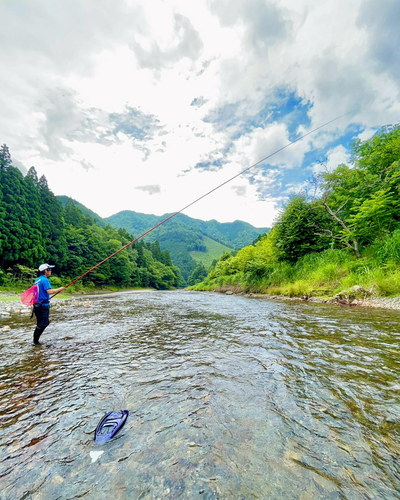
{"points": [[36, 335]]}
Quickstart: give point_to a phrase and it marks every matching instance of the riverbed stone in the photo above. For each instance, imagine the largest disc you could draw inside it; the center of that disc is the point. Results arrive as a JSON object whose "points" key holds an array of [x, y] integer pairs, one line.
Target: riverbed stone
{"points": [[57, 479]]}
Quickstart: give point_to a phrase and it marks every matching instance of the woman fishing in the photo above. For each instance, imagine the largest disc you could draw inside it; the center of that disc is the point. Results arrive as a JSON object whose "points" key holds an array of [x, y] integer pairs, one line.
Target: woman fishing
{"points": [[41, 308]]}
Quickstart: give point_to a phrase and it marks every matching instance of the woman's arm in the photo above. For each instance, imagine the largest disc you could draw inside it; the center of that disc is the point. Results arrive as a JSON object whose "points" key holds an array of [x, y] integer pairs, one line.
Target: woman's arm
{"points": [[52, 291]]}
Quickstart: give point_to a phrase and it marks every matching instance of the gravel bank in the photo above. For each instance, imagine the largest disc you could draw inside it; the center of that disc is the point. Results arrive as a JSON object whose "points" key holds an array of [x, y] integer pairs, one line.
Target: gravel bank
{"points": [[392, 303]]}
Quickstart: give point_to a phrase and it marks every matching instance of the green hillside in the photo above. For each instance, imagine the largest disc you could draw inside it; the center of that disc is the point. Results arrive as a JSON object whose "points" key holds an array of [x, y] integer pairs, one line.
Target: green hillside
{"points": [[214, 252], [235, 234], [189, 241], [86, 211], [134, 222], [231, 234]]}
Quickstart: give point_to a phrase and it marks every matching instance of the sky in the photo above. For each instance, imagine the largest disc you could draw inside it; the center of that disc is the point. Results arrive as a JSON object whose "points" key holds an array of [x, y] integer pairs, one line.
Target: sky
{"points": [[147, 105]]}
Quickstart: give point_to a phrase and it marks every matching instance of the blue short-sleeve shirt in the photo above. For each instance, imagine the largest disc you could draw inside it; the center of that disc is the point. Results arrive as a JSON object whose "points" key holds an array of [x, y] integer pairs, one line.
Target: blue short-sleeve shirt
{"points": [[43, 285]]}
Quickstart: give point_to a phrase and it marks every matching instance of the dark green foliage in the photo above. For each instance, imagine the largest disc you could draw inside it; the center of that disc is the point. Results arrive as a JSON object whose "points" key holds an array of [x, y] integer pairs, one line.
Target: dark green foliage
{"points": [[3, 239], [84, 210], [197, 246], [52, 223], [15, 224], [36, 228], [198, 275], [73, 216], [34, 252], [5, 157], [296, 229]]}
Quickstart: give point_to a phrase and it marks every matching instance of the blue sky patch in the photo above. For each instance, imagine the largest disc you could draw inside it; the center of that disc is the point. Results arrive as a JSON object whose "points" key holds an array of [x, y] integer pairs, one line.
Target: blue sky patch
{"points": [[135, 124], [284, 107], [290, 178]]}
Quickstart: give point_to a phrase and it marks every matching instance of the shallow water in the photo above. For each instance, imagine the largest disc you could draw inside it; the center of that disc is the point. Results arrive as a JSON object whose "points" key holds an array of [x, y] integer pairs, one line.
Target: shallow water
{"points": [[230, 398]]}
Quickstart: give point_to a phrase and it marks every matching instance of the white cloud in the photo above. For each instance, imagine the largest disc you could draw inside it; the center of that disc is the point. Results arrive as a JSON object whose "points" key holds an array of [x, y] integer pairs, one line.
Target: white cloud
{"points": [[366, 134], [334, 157], [120, 103]]}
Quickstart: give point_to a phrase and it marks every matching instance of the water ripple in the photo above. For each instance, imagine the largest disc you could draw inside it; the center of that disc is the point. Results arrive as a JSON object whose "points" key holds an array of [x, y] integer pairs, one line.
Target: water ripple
{"points": [[230, 398]]}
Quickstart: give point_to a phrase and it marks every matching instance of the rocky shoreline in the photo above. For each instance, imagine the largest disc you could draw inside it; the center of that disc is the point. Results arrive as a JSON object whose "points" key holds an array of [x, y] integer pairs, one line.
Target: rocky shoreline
{"points": [[392, 303], [357, 296]]}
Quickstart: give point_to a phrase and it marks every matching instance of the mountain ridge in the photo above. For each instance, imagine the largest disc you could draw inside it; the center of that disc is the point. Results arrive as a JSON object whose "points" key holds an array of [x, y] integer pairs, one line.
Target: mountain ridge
{"points": [[130, 221]]}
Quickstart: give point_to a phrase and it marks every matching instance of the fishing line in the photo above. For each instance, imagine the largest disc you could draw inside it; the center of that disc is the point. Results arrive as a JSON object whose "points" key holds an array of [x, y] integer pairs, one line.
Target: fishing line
{"points": [[200, 198]]}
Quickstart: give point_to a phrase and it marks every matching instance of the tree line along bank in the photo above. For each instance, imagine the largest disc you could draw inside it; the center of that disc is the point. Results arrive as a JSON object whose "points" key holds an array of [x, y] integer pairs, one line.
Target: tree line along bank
{"points": [[36, 228]]}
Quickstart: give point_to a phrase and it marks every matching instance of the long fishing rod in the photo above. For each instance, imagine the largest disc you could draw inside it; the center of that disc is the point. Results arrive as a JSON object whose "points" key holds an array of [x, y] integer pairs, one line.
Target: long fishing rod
{"points": [[198, 199]]}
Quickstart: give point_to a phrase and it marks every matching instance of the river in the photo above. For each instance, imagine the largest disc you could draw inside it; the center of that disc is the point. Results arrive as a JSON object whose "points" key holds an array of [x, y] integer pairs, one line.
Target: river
{"points": [[229, 397]]}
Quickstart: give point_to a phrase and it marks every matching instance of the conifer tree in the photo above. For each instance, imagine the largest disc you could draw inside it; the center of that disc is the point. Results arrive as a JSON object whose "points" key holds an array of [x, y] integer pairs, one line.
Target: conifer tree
{"points": [[2, 216], [72, 215], [16, 218], [52, 224], [35, 251], [5, 157], [5, 162]]}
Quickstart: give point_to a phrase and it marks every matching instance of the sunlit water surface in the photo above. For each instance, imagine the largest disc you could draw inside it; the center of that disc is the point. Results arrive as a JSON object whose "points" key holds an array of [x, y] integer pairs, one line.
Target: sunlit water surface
{"points": [[230, 398]]}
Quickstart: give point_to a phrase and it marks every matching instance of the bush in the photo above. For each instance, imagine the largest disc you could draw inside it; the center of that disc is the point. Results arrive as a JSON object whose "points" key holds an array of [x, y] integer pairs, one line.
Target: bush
{"points": [[387, 249], [56, 282]]}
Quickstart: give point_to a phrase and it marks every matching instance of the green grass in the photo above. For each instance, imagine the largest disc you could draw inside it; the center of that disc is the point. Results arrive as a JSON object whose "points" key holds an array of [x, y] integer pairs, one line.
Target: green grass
{"points": [[320, 275], [8, 298], [214, 252]]}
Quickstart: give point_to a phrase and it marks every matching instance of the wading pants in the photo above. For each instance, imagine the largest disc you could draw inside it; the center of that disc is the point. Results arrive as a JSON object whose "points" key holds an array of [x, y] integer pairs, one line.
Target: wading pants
{"points": [[42, 313]]}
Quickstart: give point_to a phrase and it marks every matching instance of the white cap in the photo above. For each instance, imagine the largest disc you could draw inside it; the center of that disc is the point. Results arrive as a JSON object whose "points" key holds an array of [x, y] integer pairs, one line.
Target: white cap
{"points": [[43, 267]]}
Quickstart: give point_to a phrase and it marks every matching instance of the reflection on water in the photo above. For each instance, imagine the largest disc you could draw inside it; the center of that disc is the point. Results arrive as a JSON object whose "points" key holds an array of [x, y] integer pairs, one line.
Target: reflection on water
{"points": [[230, 398]]}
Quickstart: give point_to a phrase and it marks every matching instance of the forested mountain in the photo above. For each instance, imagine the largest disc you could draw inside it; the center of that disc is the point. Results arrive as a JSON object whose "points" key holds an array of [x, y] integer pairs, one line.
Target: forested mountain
{"points": [[189, 241], [231, 234], [35, 228], [86, 211], [346, 236]]}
